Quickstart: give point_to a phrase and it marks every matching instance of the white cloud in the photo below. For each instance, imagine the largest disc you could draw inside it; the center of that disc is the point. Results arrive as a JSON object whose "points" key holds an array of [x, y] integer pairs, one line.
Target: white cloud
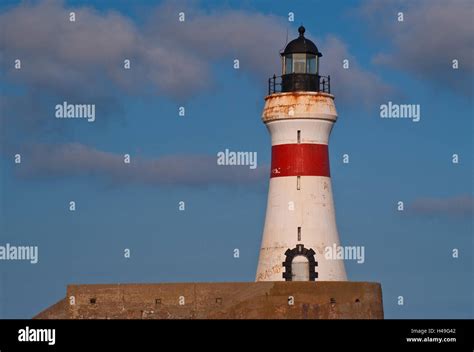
{"points": [[432, 34], [75, 159]]}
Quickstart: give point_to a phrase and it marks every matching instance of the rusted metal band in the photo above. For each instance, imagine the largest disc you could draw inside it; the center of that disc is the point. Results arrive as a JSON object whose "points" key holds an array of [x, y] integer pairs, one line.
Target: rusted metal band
{"points": [[300, 160]]}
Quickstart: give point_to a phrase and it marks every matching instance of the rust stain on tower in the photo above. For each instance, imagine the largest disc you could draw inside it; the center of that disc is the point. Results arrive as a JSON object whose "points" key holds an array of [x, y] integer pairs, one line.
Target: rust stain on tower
{"points": [[297, 105]]}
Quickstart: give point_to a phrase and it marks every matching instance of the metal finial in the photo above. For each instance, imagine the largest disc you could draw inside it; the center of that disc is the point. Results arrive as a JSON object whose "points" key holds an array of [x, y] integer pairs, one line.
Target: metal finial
{"points": [[301, 30]]}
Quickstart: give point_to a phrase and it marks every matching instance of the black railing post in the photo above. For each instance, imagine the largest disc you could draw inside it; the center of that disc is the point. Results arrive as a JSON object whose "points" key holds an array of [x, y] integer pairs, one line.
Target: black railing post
{"points": [[329, 84], [274, 83]]}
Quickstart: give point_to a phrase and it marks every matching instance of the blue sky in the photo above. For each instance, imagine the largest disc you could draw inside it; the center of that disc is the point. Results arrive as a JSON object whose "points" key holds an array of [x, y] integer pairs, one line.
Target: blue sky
{"points": [[173, 157]]}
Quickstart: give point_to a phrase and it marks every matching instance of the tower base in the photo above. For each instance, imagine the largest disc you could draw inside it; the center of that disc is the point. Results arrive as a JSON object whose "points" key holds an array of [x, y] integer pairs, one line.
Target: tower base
{"points": [[243, 300]]}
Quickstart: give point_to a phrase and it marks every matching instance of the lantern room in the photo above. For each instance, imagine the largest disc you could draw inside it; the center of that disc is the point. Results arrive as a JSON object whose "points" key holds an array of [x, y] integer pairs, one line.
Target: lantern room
{"points": [[301, 56], [300, 68]]}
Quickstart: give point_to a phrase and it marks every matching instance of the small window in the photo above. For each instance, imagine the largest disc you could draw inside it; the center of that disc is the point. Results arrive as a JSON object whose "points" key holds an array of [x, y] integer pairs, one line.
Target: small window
{"points": [[288, 64], [299, 233], [219, 300], [298, 182], [298, 136], [92, 300], [158, 301], [311, 64], [299, 63]]}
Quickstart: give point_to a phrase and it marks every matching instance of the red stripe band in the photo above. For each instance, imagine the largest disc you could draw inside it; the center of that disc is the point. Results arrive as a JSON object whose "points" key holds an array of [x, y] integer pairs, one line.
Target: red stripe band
{"points": [[300, 160]]}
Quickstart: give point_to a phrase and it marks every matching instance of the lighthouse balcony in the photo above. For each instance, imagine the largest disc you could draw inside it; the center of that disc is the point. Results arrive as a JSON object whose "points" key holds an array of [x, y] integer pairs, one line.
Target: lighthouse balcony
{"points": [[296, 82]]}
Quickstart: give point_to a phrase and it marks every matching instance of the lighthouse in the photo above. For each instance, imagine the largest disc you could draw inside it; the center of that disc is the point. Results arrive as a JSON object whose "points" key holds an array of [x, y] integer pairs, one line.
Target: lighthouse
{"points": [[300, 222], [300, 228]]}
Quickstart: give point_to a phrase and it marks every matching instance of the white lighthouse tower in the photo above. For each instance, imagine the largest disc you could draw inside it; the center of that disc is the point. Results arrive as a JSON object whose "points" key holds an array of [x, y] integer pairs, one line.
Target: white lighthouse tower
{"points": [[300, 222]]}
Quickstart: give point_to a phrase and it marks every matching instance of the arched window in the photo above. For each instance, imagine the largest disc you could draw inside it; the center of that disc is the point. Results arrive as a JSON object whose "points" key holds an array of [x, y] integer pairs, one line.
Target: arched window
{"points": [[300, 264], [300, 268]]}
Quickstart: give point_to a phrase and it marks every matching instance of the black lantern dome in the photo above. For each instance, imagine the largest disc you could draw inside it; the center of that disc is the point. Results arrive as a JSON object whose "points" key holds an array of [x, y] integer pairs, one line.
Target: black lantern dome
{"points": [[301, 45], [300, 68]]}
